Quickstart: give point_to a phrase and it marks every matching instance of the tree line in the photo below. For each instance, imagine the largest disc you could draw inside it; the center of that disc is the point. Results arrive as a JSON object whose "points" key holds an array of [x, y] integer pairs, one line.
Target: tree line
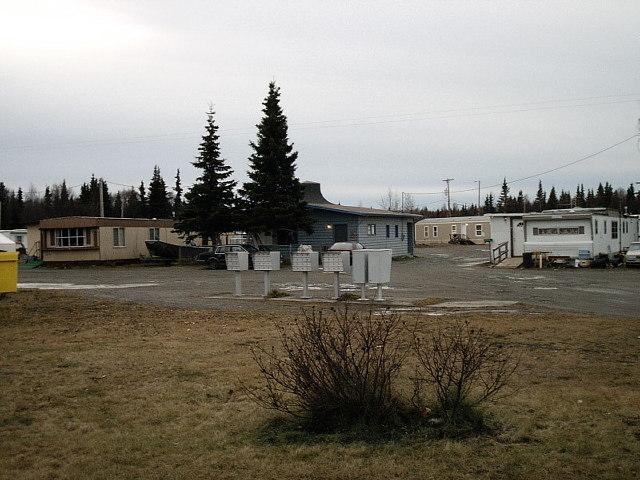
{"points": [[19, 208], [270, 202], [605, 196]]}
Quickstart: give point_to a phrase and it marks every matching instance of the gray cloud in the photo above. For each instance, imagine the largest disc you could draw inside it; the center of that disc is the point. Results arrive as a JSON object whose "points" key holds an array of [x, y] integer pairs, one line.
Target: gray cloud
{"points": [[357, 68]]}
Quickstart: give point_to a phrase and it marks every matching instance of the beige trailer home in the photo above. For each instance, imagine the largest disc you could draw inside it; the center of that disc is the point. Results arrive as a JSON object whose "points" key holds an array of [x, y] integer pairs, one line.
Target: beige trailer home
{"points": [[98, 239], [433, 231]]}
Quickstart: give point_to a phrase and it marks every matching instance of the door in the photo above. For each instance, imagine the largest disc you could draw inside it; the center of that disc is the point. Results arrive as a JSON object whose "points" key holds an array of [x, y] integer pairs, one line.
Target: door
{"points": [[340, 233], [517, 237], [410, 237]]}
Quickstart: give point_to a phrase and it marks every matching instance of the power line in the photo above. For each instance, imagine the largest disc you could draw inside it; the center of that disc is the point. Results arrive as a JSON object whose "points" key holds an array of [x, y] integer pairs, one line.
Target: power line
{"points": [[539, 174]]}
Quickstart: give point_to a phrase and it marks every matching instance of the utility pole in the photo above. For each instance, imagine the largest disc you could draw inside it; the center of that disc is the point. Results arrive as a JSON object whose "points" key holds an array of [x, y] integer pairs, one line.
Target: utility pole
{"points": [[448, 192], [479, 207]]}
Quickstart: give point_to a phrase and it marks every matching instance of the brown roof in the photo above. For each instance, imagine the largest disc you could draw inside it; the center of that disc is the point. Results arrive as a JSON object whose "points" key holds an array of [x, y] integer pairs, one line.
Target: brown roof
{"points": [[79, 222]]}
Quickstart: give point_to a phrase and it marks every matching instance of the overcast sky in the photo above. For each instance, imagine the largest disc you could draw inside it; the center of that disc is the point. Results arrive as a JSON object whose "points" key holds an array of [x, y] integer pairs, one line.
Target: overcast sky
{"points": [[378, 95]]}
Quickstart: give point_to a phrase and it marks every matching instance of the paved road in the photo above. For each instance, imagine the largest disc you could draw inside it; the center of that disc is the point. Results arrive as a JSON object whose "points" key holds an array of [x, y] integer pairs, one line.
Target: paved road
{"points": [[448, 272]]}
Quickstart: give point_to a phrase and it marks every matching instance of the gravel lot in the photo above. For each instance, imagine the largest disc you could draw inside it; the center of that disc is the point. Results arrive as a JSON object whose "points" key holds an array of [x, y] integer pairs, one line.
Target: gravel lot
{"points": [[454, 273]]}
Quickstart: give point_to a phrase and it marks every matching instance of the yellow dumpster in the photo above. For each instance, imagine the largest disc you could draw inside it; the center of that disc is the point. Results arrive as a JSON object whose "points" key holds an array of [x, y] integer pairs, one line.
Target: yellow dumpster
{"points": [[8, 272]]}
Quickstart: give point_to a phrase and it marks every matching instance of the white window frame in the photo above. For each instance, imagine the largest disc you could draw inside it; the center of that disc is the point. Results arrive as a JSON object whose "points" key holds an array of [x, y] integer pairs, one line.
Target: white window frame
{"points": [[154, 233], [371, 229], [614, 229], [426, 231], [454, 229], [119, 237], [435, 231], [71, 238], [479, 231]]}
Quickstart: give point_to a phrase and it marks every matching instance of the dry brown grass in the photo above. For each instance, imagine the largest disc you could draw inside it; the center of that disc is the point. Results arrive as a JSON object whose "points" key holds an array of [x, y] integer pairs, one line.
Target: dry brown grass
{"points": [[96, 389]]}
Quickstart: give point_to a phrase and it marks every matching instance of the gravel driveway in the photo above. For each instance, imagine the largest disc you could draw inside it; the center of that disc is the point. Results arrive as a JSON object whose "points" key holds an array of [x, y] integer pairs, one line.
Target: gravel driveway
{"points": [[454, 273]]}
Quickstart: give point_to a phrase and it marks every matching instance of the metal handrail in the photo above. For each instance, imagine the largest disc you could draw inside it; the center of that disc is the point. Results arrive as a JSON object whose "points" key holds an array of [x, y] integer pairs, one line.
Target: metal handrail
{"points": [[502, 253]]}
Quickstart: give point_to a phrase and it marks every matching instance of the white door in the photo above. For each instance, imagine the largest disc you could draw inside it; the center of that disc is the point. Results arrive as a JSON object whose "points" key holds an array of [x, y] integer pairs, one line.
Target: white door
{"points": [[517, 235]]}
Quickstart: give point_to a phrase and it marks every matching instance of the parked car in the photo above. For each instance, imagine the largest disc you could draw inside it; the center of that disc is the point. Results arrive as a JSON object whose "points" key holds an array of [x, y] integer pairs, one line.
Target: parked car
{"points": [[216, 258], [632, 257], [346, 247]]}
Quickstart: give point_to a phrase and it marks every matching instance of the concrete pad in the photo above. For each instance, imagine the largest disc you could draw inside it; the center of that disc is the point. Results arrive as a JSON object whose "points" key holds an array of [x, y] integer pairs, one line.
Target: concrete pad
{"points": [[476, 304]]}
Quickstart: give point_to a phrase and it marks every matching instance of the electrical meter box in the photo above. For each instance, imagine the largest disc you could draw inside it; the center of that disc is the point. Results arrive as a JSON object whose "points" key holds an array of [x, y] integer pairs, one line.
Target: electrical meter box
{"points": [[237, 261], [333, 261], [379, 265], [305, 261], [266, 261], [359, 267]]}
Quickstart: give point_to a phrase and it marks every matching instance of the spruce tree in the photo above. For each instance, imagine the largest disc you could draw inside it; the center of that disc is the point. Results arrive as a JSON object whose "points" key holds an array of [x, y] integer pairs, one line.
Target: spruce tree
{"points": [[142, 205], [564, 201], [503, 199], [158, 204], [177, 199], [630, 200], [541, 198], [552, 201], [210, 207], [273, 198]]}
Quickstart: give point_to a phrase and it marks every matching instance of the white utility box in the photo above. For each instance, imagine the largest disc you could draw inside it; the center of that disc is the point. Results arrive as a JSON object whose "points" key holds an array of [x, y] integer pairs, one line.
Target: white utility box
{"points": [[237, 261], [305, 261], [266, 261], [333, 261], [379, 265], [359, 267]]}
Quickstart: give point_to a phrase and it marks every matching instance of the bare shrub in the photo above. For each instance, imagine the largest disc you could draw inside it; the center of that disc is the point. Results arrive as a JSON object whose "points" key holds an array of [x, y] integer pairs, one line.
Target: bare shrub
{"points": [[335, 368], [464, 367]]}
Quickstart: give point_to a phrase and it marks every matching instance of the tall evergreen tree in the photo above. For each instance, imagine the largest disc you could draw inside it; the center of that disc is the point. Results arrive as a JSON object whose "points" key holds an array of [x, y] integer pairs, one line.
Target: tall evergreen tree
{"points": [[488, 204], [600, 196], [552, 201], [541, 198], [564, 201], [118, 206], [210, 207], [48, 202], [158, 202], [142, 205], [520, 202], [580, 200], [631, 201], [177, 199], [274, 196], [503, 199]]}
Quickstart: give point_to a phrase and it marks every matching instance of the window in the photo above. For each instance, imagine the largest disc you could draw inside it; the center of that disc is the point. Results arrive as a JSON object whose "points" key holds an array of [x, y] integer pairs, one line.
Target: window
{"points": [[371, 229], [70, 237], [454, 229], [435, 231], [559, 231], [118, 237], [604, 222], [397, 231], [426, 231], [154, 233], [388, 231], [595, 224], [478, 229], [614, 229]]}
